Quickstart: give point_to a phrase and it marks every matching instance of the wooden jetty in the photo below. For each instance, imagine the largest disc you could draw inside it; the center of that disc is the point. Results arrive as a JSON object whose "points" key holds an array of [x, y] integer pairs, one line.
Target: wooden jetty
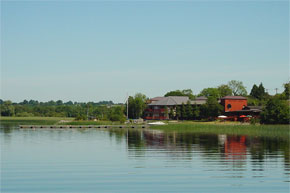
{"points": [[79, 126]]}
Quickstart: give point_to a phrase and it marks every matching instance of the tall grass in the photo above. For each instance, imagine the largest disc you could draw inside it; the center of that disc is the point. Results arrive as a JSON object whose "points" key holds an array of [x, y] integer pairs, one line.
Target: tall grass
{"points": [[281, 131]]}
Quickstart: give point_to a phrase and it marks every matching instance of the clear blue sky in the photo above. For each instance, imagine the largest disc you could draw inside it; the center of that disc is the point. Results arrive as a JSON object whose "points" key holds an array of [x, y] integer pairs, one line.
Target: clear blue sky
{"points": [[92, 51]]}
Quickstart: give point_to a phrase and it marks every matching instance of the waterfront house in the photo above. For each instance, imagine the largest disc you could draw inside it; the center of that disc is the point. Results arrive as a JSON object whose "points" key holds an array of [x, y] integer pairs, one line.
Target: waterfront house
{"points": [[160, 107], [235, 107]]}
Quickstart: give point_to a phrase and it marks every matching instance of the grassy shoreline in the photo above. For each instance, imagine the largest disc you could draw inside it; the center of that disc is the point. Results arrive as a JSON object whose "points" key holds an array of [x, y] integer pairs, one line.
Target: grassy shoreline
{"points": [[33, 120], [281, 131], [230, 128], [52, 121]]}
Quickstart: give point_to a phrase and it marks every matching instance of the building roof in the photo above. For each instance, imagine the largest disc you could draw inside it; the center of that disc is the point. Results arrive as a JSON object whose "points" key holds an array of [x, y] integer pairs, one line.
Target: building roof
{"points": [[234, 98], [198, 102], [171, 101], [201, 98], [253, 108], [246, 111], [157, 98]]}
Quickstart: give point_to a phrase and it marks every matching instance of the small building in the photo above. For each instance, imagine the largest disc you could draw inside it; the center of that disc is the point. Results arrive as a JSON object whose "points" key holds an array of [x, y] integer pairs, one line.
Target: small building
{"points": [[235, 107], [233, 103]]}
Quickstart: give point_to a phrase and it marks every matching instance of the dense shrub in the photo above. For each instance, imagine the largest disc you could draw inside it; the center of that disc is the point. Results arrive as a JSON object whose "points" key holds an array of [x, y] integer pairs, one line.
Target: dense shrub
{"points": [[275, 112]]}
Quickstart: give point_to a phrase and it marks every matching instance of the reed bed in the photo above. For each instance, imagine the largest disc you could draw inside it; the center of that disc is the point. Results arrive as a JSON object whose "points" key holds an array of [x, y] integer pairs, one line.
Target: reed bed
{"points": [[281, 131]]}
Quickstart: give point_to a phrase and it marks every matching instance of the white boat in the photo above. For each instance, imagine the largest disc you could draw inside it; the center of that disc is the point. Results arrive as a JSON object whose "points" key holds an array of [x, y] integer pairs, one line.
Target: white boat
{"points": [[157, 123]]}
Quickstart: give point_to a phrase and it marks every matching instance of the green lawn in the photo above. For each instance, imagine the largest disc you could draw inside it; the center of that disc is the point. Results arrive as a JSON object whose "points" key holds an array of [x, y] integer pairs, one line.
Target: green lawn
{"points": [[50, 121], [33, 120]]}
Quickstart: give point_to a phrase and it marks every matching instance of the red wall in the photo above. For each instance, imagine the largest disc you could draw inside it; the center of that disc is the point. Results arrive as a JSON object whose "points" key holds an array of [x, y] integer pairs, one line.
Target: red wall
{"points": [[236, 105]]}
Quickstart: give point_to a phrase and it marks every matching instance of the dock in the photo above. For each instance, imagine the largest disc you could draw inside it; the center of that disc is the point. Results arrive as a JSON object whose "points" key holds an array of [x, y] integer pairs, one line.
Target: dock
{"points": [[80, 126]]}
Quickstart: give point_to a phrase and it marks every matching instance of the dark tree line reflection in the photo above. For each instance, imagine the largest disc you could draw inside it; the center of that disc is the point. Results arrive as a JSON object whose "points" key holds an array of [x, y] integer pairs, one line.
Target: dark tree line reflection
{"points": [[235, 150], [183, 145]]}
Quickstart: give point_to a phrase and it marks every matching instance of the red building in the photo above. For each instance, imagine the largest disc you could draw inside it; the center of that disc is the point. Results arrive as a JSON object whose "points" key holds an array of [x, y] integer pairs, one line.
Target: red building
{"points": [[235, 107], [233, 103]]}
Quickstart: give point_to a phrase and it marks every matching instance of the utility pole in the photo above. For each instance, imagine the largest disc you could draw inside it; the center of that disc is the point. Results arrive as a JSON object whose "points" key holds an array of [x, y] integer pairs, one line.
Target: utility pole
{"points": [[276, 89]]}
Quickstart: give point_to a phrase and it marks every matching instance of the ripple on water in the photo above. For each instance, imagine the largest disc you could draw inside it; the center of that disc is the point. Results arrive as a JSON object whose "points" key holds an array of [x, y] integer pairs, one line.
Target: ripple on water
{"points": [[44, 160]]}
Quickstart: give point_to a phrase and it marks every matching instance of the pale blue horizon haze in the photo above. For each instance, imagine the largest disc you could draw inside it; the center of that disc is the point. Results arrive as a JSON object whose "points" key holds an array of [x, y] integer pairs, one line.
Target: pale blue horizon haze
{"points": [[93, 51]]}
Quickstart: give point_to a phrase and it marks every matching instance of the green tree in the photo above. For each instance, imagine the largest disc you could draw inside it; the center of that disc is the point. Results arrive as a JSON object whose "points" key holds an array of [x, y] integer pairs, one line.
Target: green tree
{"points": [[237, 88], [189, 93], [178, 112], [174, 93], [189, 111], [224, 90], [33, 102], [69, 103], [171, 113], [59, 102], [131, 107], [195, 112], [7, 109], [137, 105], [185, 92], [255, 91], [25, 102], [262, 92], [183, 112], [117, 114], [275, 112], [258, 92], [211, 109], [140, 102], [166, 113], [51, 103], [286, 92], [210, 92]]}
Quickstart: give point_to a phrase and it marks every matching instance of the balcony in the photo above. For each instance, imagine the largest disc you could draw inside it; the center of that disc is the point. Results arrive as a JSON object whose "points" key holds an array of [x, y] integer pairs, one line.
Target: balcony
{"points": [[155, 110]]}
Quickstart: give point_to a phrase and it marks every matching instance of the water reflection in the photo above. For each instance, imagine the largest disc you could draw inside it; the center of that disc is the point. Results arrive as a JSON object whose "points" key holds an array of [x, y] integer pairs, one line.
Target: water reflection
{"points": [[226, 148], [169, 161], [183, 145]]}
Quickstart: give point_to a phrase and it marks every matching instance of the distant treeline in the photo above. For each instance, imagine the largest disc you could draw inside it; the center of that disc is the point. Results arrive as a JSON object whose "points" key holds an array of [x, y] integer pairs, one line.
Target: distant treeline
{"points": [[58, 102], [276, 108], [103, 110]]}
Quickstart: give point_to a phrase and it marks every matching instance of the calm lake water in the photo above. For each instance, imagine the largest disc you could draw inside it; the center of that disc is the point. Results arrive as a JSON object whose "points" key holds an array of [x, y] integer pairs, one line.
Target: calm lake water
{"points": [[127, 160]]}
